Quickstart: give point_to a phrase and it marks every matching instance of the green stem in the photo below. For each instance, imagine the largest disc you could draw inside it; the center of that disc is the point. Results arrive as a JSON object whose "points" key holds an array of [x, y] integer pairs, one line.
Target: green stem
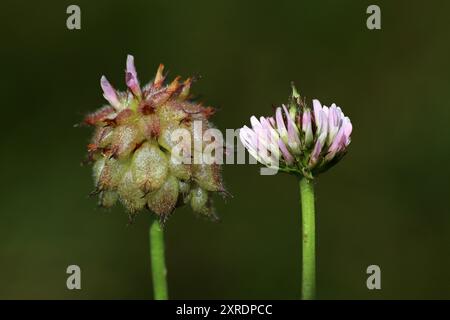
{"points": [[158, 261], [308, 239]]}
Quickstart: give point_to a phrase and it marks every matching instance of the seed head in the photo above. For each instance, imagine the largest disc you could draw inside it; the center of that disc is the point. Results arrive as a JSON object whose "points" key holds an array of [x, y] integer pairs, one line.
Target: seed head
{"points": [[131, 149]]}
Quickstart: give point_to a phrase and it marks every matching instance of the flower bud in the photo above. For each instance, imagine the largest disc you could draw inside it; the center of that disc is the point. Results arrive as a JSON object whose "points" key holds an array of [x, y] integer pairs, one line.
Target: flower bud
{"points": [[163, 201], [200, 202], [208, 176], [150, 167]]}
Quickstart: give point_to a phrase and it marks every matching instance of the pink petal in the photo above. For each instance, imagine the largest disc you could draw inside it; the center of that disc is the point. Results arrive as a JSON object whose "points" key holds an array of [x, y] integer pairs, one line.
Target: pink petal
{"points": [[293, 138], [337, 144], [333, 123], [347, 130], [131, 77], [280, 123], [286, 155], [255, 123], [248, 137], [316, 152], [109, 93], [318, 114], [307, 127], [272, 121]]}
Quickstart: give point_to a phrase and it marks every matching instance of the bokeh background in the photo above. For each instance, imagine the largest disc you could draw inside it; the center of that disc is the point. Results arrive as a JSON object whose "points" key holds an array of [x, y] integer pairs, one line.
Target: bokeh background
{"points": [[386, 203]]}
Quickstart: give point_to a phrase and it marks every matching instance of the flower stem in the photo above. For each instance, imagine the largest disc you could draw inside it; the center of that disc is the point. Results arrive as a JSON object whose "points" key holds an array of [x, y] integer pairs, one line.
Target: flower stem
{"points": [[158, 261], [308, 239]]}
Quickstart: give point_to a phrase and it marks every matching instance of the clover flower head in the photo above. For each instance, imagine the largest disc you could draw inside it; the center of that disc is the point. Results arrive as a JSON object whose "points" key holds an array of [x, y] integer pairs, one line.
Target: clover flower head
{"points": [[298, 138], [132, 147]]}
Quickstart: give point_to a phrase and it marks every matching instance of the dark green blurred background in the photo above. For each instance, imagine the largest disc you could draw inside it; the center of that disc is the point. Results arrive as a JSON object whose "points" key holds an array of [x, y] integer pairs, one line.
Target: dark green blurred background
{"points": [[385, 204]]}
